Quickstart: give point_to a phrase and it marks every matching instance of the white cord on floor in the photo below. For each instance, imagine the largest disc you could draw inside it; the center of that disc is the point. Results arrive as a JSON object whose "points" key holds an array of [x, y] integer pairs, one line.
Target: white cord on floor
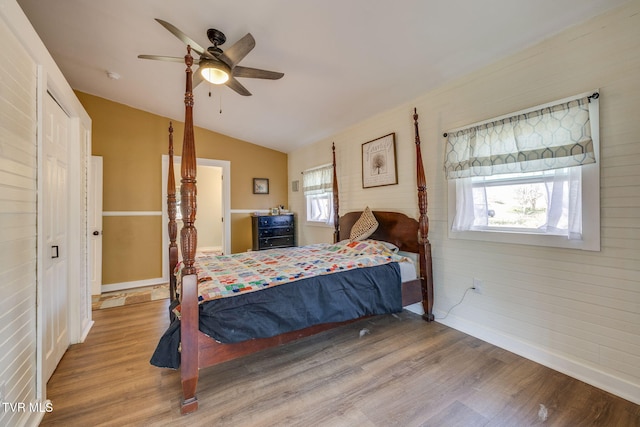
{"points": [[455, 305]]}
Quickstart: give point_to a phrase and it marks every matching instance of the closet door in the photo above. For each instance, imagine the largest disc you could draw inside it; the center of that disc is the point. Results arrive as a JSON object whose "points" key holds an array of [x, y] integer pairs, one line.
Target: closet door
{"points": [[55, 186]]}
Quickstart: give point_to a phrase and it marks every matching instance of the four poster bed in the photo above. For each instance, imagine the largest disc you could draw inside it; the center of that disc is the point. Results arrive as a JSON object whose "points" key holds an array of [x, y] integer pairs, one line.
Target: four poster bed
{"points": [[209, 322]]}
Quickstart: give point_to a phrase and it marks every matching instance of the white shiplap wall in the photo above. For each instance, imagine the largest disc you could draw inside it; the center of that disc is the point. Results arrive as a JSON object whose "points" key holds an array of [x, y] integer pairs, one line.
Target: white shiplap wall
{"points": [[18, 165], [27, 72], [575, 311]]}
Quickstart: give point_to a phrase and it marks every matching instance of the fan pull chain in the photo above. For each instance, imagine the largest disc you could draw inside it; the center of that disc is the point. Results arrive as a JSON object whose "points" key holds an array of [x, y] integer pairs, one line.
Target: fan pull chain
{"points": [[219, 101]]}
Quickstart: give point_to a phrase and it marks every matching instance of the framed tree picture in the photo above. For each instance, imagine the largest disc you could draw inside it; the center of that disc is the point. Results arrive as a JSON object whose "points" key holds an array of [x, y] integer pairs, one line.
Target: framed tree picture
{"points": [[260, 186], [379, 165]]}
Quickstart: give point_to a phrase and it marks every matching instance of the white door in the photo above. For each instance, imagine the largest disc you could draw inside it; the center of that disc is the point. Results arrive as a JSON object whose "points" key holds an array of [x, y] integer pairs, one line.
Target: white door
{"points": [[55, 186], [222, 211], [95, 224]]}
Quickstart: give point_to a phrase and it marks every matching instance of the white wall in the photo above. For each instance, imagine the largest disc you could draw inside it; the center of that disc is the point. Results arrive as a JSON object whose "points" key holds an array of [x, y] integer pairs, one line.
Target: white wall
{"points": [[575, 311], [18, 189], [27, 72]]}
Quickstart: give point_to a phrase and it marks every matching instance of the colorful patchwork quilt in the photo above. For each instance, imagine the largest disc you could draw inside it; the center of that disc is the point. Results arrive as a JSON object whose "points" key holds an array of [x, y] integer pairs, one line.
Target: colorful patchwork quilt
{"points": [[222, 276]]}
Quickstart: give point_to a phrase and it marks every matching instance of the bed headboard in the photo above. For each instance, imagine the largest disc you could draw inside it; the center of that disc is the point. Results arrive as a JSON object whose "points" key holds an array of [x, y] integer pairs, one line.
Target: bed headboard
{"points": [[394, 227]]}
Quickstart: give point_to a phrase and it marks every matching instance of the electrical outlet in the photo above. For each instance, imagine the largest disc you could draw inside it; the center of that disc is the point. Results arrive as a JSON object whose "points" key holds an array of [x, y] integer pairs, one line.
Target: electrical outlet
{"points": [[478, 286]]}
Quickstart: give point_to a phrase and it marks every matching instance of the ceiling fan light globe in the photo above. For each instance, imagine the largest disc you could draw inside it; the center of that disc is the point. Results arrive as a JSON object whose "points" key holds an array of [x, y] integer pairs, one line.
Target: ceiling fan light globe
{"points": [[215, 75]]}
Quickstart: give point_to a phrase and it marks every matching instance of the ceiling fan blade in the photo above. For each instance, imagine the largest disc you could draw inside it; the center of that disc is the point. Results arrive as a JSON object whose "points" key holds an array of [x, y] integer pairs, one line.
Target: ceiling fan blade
{"points": [[162, 58], [255, 73], [197, 78], [235, 85], [239, 50], [185, 39]]}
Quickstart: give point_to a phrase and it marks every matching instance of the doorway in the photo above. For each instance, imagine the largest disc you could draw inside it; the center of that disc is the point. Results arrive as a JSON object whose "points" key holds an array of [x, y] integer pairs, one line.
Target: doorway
{"points": [[213, 218]]}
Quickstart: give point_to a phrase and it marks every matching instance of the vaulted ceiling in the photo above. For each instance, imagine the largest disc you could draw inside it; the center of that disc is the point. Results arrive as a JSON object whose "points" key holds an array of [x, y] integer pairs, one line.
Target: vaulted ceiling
{"points": [[343, 60]]}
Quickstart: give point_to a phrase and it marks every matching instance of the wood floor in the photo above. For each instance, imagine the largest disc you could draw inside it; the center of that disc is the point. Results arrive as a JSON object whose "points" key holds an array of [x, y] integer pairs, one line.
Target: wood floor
{"points": [[384, 371]]}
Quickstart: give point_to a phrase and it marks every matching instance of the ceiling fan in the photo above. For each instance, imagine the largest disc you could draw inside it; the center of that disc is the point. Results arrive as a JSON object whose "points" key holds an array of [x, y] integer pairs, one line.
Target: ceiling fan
{"points": [[217, 66]]}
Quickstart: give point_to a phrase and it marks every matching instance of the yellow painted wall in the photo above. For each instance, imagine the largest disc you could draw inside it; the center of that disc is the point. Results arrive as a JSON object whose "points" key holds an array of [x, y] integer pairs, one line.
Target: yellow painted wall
{"points": [[132, 143], [131, 248]]}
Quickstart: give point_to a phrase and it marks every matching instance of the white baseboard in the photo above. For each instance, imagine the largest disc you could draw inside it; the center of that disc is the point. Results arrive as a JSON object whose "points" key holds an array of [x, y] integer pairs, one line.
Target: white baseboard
{"points": [[35, 418], [558, 362], [132, 285], [86, 331]]}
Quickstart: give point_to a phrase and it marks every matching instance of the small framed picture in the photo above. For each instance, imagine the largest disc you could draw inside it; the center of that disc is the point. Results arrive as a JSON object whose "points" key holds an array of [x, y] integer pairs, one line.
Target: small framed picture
{"points": [[274, 211], [260, 186]]}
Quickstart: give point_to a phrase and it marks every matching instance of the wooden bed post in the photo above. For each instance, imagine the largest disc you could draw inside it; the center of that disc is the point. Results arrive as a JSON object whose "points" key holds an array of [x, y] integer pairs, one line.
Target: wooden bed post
{"points": [[189, 323], [172, 226], [336, 201], [423, 231]]}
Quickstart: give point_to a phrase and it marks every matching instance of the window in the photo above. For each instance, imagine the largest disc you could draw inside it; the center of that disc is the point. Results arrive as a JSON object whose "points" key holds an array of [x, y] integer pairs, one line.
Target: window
{"points": [[317, 185], [320, 207], [531, 178], [534, 202]]}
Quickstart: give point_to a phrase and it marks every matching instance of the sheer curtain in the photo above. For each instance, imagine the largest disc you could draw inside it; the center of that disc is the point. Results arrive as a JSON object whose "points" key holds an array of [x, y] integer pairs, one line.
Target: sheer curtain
{"points": [[564, 213], [564, 204], [471, 209]]}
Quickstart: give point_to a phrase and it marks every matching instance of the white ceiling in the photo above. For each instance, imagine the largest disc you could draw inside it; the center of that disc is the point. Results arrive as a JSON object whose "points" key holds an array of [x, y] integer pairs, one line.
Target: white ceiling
{"points": [[344, 60]]}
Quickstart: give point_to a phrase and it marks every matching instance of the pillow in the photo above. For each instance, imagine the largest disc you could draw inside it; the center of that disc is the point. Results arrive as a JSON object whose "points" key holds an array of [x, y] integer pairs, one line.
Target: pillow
{"points": [[364, 227], [393, 248]]}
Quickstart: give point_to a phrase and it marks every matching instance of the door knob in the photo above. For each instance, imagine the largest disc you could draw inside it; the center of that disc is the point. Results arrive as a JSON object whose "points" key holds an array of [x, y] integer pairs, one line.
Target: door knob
{"points": [[96, 233]]}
